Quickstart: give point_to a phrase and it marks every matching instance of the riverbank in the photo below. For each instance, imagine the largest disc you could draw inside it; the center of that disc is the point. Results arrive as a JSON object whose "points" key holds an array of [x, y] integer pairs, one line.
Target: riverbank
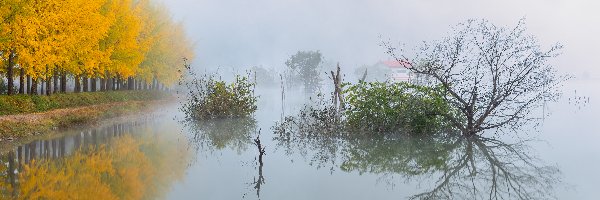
{"points": [[23, 104], [19, 126]]}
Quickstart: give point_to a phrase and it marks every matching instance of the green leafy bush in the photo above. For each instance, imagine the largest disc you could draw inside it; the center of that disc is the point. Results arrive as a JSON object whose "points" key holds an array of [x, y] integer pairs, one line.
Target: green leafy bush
{"points": [[384, 107], [209, 98], [373, 108]]}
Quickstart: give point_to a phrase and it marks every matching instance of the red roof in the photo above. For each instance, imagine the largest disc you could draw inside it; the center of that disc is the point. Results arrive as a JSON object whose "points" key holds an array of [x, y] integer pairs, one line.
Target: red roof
{"points": [[396, 64]]}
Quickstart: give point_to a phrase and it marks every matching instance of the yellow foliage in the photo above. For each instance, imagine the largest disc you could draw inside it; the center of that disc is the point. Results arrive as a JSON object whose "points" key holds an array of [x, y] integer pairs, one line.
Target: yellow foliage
{"points": [[164, 59], [121, 38], [120, 170]]}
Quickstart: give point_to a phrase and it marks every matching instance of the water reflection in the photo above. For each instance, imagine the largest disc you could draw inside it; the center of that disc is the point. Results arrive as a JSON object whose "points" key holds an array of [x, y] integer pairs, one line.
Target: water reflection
{"points": [[447, 167], [235, 134], [261, 179], [110, 162], [217, 134]]}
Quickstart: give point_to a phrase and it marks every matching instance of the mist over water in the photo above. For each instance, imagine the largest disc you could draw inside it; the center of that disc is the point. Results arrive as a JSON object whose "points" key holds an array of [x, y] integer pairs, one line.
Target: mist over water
{"points": [[240, 34], [218, 158]]}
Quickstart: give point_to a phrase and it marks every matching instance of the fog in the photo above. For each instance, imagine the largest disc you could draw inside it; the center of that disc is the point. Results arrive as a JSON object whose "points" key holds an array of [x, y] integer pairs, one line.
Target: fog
{"points": [[241, 33]]}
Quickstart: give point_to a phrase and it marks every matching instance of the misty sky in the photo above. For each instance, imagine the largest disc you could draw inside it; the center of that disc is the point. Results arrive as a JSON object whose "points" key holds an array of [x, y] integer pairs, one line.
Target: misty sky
{"points": [[241, 33]]}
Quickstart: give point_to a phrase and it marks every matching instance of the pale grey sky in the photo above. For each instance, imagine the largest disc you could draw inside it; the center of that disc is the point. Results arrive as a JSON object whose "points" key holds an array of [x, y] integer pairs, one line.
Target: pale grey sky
{"points": [[236, 33]]}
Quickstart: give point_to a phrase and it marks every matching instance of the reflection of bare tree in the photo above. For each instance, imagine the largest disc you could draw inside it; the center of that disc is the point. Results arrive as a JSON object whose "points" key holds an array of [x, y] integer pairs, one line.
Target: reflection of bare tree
{"points": [[261, 179], [465, 167], [486, 168]]}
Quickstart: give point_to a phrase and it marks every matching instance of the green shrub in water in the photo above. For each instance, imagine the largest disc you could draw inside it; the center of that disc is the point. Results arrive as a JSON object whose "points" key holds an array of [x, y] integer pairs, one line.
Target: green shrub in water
{"points": [[209, 98], [385, 107]]}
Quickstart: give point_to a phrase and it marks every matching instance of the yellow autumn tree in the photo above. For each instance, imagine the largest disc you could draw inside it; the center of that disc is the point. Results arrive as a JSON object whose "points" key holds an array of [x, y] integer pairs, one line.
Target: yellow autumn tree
{"points": [[123, 41], [164, 60], [89, 23], [39, 37], [10, 10]]}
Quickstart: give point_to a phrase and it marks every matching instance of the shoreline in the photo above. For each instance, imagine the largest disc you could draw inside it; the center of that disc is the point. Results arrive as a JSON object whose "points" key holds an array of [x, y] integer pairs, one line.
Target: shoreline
{"points": [[19, 128]]}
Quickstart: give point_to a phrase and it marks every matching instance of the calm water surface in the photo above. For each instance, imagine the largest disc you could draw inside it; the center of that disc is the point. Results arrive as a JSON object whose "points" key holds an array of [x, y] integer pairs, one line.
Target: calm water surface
{"points": [[159, 156]]}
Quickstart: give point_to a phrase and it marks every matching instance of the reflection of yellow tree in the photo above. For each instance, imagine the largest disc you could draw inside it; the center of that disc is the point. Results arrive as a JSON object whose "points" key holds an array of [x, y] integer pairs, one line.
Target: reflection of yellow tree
{"points": [[7, 180], [125, 169]]}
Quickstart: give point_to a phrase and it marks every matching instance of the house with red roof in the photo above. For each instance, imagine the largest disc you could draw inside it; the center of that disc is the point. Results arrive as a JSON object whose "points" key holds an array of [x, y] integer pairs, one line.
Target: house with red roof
{"points": [[399, 70]]}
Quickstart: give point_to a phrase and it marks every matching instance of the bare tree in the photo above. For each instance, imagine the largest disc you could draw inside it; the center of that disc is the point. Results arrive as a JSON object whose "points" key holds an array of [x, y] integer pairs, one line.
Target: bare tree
{"points": [[494, 76]]}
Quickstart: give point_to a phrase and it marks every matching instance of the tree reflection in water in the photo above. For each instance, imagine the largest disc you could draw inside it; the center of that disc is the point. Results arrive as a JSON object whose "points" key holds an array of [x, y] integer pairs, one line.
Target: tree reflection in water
{"points": [[233, 133], [458, 167], [104, 163], [217, 134], [261, 179]]}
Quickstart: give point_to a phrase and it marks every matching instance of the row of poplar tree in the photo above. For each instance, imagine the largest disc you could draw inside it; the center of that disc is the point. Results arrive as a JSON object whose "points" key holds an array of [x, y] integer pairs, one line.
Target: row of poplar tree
{"points": [[100, 44]]}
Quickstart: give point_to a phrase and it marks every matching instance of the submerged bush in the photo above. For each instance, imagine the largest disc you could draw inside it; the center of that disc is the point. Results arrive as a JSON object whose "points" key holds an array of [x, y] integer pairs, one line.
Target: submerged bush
{"points": [[384, 107], [209, 98], [373, 108], [312, 120]]}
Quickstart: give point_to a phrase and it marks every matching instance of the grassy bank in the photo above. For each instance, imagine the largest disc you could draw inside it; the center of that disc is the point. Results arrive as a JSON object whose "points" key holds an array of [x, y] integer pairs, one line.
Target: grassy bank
{"points": [[23, 125], [22, 104]]}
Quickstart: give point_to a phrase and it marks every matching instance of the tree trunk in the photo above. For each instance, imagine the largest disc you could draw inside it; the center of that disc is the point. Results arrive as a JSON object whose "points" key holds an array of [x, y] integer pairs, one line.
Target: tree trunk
{"points": [[48, 82], [119, 82], [85, 83], [28, 84], [22, 81], [9, 72], [42, 82], [55, 79], [63, 82], [102, 84], [154, 83], [338, 97], [34, 83], [112, 84], [130, 83], [106, 80], [93, 84], [48, 85], [77, 84]]}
